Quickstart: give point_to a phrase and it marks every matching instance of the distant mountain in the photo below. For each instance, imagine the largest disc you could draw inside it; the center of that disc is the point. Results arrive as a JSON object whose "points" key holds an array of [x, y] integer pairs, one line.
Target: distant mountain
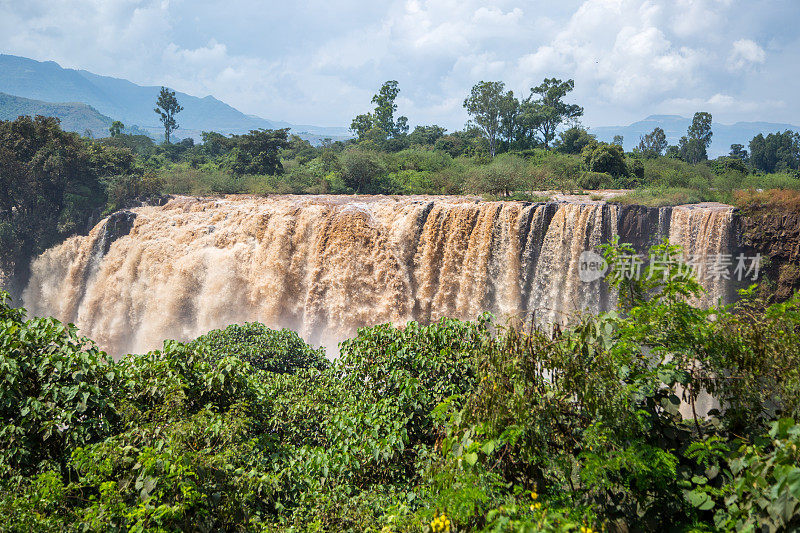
{"points": [[675, 127], [133, 104], [74, 116]]}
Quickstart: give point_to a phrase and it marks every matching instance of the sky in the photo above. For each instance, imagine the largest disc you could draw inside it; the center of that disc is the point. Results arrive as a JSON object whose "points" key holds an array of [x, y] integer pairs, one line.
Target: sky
{"points": [[320, 61]]}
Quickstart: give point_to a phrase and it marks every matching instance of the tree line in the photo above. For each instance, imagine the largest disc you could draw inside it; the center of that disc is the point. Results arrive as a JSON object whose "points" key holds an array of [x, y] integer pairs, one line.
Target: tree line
{"points": [[500, 122]]}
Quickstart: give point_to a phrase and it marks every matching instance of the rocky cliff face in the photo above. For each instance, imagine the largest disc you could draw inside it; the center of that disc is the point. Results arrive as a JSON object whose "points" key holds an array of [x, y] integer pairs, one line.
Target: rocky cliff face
{"points": [[775, 234]]}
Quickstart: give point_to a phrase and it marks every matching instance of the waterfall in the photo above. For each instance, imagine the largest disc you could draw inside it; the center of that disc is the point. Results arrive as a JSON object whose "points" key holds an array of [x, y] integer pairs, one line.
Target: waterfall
{"points": [[703, 231], [326, 265]]}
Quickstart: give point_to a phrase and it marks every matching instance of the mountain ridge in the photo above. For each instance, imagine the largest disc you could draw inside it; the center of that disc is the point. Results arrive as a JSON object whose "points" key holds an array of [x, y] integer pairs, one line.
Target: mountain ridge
{"points": [[74, 116], [675, 127], [120, 99], [133, 104]]}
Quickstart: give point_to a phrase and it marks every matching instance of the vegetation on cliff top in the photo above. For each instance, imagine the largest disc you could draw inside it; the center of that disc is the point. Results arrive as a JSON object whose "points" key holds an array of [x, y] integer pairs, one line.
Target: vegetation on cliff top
{"points": [[455, 426], [55, 183]]}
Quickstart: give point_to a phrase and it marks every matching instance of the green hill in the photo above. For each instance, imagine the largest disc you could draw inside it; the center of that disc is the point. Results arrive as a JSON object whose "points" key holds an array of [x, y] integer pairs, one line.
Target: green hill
{"points": [[74, 116]]}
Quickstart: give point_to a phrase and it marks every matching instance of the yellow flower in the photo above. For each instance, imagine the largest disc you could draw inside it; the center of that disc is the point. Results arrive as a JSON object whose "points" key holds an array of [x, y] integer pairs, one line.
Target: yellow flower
{"points": [[534, 495], [440, 524]]}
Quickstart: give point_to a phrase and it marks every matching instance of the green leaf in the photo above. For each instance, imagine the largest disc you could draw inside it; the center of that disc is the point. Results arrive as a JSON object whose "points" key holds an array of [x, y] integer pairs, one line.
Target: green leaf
{"points": [[793, 481], [471, 458], [700, 500], [488, 447]]}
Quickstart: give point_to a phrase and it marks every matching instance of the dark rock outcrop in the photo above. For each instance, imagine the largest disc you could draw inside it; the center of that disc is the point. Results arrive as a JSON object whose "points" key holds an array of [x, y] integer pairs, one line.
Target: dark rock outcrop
{"points": [[775, 234], [118, 225], [640, 226]]}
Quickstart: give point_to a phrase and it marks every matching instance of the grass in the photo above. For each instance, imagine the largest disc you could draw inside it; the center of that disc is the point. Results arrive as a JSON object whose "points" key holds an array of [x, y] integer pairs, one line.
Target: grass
{"points": [[766, 200], [781, 180], [665, 196], [666, 181], [517, 197]]}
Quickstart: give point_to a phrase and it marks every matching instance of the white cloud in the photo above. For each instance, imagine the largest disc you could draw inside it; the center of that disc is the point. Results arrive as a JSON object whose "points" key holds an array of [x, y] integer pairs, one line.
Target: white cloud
{"points": [[617, 48], [746, 53], [320, 61]]}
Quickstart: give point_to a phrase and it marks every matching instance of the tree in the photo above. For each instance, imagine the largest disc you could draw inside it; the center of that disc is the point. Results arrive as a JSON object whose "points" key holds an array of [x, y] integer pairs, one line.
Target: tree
{"points": [[455, 145], [216, 144], [738, 151], [606, 158], [167, 107], [383, 116], [692, 150], [509, 117], [360, 168], [49, 186], [506, 173], [426, 135], [701, 128], [484, 104], [258, 152], [380, 124], [116, 128], [653, 144], [573, 140], [694, 147], [527, 124], [549, 109], [361, 125], [776, 152], [618, 140]]}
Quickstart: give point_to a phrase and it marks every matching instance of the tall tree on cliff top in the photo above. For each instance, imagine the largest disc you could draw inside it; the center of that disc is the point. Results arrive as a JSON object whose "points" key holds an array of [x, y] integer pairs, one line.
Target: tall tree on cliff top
{"points": [[548, 108], [653, 144], [381, 122], [167, 107], [694, 146], [116, 128], [385, 108], [485, 106]]}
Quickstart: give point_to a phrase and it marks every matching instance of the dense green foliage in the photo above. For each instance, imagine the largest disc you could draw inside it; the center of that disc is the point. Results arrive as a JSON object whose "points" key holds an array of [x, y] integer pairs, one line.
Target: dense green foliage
{"points": [[51, 184], [531, 155], [280, 351], [775, 152], [455, 426]]}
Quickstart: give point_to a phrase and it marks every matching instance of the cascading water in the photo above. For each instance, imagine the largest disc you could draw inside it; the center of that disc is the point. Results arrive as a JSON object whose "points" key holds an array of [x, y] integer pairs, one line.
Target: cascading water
{"points": [[704, 233], [325, 266]]}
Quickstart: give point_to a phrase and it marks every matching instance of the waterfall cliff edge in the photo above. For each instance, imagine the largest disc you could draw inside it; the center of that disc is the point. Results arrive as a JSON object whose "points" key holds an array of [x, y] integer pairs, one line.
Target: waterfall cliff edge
{"points": [[325, 266]]}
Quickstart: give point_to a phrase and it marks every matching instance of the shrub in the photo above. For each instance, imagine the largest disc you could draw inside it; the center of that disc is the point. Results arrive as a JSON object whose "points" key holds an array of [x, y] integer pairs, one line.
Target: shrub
{"points": [[420, 160], [55, 394], [456, 425], [595, 180], [281, 351], [504, 174], [573, 140], [361, 168]]}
